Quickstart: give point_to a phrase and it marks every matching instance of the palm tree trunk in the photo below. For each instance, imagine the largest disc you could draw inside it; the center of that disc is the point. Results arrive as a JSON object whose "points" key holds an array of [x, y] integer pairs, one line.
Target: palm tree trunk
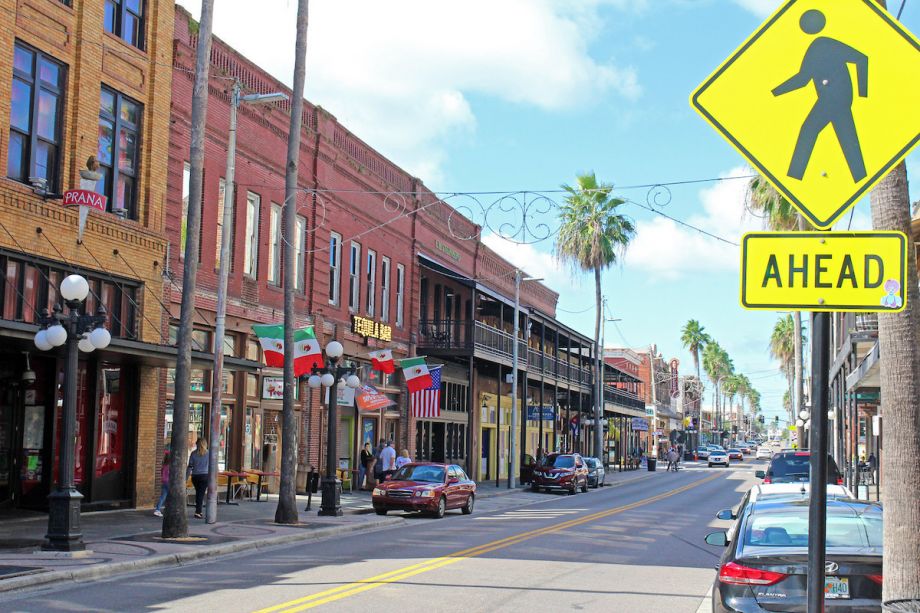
{"points": [[599, 404], [899, 346], [175, 519], [286, 513], [798, 378]]}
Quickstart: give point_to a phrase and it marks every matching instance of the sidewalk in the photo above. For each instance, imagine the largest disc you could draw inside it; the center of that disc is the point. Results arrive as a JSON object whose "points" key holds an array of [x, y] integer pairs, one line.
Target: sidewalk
{"points": [[129, 540]]}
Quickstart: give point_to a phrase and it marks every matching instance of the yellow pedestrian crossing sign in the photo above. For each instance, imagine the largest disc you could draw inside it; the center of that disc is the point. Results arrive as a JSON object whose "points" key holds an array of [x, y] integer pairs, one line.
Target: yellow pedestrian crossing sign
{"points": [[822, 100]]}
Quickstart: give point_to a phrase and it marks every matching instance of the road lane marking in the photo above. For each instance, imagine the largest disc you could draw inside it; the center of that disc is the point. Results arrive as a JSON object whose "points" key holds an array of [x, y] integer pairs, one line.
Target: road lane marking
{"points": [[357, 587], [530, 514]]}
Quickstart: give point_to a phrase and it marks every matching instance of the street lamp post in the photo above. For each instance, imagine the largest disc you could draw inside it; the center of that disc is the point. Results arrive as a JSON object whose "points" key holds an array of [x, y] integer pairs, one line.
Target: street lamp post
{"points": [[512, 472], [217, 375], [328, 377], [84, 333]]}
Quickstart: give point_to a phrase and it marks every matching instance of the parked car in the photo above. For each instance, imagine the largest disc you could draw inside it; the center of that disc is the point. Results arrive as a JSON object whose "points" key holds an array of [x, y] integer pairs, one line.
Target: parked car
{"points": [[766, 491], [702, 452], [793, 466], [718, 457], [747, 449], [596, 473], [765, 561], [561, 471], [764, 453], [426, 487], [735, 454]]}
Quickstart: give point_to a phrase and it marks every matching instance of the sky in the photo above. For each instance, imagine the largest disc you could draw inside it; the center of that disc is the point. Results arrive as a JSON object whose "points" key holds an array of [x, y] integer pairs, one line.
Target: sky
{"points": [[506, 96]]}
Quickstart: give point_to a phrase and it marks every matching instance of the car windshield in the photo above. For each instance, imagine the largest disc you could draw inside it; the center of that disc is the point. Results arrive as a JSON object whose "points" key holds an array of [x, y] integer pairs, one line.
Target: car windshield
{"points": [[790, 529], [734, 451], [591, 462], [561, 461], [420, 472], [795, 467]]}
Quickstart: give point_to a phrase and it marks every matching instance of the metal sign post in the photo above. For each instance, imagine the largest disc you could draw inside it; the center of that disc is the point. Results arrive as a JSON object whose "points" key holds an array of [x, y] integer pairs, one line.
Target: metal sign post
{"points": [[817, 503]]}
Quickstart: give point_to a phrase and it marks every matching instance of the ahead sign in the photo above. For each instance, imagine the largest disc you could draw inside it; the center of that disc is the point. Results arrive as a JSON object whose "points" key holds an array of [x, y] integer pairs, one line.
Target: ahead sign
{"points": [[824, 271], [822, 100]]}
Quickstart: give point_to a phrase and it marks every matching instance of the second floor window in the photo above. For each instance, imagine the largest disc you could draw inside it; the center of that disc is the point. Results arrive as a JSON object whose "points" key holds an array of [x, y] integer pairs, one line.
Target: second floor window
{"points": [[125, 19], [36, 102], [300, 245], [400, 293], [221, 196], [354, 278], [335, 267], [251, 251], [371, 280], [119, 147], [385, 289], [274, 246]]}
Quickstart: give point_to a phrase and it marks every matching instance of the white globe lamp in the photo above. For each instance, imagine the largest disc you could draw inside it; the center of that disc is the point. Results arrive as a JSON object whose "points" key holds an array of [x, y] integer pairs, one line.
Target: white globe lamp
{"points": [[803, 414], [74, 287], [86, 346], [314, 381], [56, 335], [100, 338], [335, 350], [353, 382], [41, 340], [327, 380]]}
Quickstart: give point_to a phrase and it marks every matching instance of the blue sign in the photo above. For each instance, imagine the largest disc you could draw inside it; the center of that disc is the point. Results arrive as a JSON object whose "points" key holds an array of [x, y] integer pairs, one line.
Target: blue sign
{"points": [[639, 424], [536, 413]]}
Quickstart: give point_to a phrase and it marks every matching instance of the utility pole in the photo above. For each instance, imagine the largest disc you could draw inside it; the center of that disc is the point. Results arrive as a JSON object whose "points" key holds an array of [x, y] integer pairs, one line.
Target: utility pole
{"points": [[599, 451], [175, 520], [514, 380]]}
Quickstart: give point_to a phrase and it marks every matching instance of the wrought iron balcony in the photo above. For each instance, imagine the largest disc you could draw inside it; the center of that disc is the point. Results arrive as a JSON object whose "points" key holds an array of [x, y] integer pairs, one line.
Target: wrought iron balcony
{"points": [[466, 336], [622, 397]]}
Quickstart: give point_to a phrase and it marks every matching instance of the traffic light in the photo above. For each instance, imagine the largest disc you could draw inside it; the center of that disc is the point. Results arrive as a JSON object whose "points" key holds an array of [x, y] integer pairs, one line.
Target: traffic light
{"points": [[762, 420], [776, 420]]}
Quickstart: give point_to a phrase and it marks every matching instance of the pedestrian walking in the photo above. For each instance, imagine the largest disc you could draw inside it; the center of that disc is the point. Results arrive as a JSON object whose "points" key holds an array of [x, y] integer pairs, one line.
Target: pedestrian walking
{"points": [[366, 457], [403, 459], [164, 485], [198, 470], [388, 460], [672, 459], [378, 468]]}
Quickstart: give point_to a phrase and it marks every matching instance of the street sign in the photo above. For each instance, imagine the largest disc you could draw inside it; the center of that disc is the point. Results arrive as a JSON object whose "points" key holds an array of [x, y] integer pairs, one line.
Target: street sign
{"points": [[822, 100], [824, 271]]}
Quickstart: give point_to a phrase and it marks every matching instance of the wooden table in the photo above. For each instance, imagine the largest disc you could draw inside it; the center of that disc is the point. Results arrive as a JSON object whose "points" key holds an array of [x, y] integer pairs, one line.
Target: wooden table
{"points": [[261, 475], [230, 476]]}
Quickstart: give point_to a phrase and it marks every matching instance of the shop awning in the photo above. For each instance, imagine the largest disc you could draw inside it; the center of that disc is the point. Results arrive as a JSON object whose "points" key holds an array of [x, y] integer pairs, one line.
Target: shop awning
{"points": [[433, 264]]}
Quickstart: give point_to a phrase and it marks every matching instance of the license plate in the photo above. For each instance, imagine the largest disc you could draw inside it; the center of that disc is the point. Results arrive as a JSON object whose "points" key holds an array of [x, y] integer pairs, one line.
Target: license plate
{"points": [[836, 587]]}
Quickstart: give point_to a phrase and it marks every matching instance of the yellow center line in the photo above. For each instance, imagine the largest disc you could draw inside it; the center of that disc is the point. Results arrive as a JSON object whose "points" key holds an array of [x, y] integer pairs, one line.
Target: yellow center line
{"points": [[350, 589]]}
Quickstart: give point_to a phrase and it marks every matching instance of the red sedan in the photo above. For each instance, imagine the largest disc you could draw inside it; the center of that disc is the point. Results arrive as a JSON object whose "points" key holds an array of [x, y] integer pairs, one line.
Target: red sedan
{"points": [[735, 454], [427, 488]]}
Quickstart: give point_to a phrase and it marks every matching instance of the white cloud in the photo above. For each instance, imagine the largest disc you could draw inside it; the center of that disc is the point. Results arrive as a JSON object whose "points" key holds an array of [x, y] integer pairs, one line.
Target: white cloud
{"points": [[665, 249], [401, 74], [760, 8], [535, 263]]}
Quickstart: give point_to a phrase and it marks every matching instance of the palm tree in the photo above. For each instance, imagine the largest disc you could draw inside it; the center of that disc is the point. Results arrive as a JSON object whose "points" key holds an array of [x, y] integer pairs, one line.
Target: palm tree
{"points": [[782, 349], [694, 337], [286, 512], [779, 214], [593, 235], [718, 366]]}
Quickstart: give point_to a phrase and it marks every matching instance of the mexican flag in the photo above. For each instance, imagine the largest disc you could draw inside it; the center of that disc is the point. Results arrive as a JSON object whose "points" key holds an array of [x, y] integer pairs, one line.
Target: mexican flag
{"points": [[416, 372], [271, 337], [307, 353], [306, 347], [383, 361]]}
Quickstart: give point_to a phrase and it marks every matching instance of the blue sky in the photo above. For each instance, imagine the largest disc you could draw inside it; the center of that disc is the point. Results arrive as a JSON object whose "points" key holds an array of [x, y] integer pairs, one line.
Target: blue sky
{"points": [[487, 95]]}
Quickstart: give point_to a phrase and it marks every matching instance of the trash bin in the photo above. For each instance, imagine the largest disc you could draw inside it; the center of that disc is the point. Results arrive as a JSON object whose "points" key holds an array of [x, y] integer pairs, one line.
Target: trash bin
{"points": [[651, 464]]}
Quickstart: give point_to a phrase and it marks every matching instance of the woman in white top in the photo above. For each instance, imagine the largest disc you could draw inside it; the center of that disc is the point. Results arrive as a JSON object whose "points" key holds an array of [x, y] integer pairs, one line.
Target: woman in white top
{"points": [[403, 459]]}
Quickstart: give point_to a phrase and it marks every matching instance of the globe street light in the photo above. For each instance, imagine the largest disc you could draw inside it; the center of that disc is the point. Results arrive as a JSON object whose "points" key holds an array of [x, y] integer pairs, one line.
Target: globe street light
{"points": [[79, 333], [328, 377]]}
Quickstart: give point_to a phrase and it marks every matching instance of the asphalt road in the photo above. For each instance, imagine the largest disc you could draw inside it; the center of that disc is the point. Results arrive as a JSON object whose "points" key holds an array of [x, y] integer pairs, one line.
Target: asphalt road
{"points": [[635, 547]]}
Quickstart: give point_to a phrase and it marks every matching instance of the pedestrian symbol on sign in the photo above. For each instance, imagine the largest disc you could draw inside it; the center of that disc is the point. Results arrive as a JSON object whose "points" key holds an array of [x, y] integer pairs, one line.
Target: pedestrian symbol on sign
{"points": [[826, 64]]}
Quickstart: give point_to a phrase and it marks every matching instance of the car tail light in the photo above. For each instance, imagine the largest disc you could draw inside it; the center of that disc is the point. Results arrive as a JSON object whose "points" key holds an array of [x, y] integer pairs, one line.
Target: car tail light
{"points": [[767, 480], [839, 480], [801, 453], [736, 574], [876, 578]]}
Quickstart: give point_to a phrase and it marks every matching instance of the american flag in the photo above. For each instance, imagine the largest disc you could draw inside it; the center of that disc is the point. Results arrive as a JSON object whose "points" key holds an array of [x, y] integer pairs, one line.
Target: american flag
{"points": [[427, 402]]}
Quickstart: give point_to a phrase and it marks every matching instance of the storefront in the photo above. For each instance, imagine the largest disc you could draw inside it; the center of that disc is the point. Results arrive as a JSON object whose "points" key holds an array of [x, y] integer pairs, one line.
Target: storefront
{"points": [[444, 438]]}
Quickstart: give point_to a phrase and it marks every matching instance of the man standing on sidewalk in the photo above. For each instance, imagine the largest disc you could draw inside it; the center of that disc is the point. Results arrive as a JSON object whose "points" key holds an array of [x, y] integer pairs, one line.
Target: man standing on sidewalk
{"points": [[388, 460]]}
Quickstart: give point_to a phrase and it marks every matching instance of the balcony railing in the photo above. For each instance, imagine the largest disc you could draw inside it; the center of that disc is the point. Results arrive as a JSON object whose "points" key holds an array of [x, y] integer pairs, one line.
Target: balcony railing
{"points": [[622, 398], [867, 322]]}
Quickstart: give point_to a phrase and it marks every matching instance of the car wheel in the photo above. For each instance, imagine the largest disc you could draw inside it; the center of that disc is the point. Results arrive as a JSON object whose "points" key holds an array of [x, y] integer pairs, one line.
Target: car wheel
{"points": [[710, 465], [574, 489], [535, 488], [380, 511], [442, 508], [468, 507], [584, 488]]}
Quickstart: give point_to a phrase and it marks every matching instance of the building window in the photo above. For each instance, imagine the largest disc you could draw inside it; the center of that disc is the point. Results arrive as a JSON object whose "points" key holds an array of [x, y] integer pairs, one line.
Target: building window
{"points": [[251, 253], [125, 19], [354, 278], [274, 245], [183, 222], [221, 196], [335, 267], [36, 107], [400, 293], [119, 134], [300, 246], [385, 289], [371, 280]]}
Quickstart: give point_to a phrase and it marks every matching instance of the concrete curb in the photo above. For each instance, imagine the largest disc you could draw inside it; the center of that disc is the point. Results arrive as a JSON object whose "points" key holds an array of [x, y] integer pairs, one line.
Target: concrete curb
{"points": [[101, 571]]}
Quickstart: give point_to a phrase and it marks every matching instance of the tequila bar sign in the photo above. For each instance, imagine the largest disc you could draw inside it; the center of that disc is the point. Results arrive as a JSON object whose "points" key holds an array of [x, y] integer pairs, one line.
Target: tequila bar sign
{"points": [[368, 328]]}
